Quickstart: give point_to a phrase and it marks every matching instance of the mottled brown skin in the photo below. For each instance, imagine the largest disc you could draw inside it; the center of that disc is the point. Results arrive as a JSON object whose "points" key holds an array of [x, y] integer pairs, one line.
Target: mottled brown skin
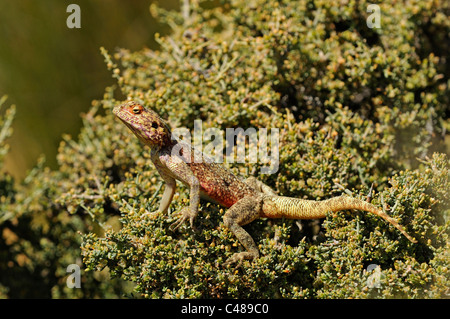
{"points": [[246, 200]]}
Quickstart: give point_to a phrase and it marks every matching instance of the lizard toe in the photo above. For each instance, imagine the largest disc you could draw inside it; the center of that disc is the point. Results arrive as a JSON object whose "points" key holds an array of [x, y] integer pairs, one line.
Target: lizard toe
{"points": [[185, 214]]}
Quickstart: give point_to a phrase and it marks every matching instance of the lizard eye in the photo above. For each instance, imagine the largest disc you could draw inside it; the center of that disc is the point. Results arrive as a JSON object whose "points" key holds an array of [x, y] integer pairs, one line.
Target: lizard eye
{"points": [[155, 125], [137, 109]]}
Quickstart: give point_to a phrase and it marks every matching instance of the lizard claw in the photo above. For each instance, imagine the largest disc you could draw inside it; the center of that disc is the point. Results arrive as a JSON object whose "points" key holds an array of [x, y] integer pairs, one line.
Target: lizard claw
{"points": [[186, 214]]}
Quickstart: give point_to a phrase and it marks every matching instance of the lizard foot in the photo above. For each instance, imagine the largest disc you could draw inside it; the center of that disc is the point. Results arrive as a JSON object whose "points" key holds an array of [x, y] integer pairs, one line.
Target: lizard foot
{"points": [[185, 214], [239, 258]]}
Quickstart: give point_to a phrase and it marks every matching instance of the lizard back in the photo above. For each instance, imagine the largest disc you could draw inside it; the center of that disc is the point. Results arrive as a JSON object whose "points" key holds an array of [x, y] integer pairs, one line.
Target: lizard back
{"points": [[219, 185]]}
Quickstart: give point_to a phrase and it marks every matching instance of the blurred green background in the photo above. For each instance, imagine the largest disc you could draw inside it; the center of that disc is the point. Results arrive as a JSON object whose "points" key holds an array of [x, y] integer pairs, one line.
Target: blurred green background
{"points": [[52, 73]]}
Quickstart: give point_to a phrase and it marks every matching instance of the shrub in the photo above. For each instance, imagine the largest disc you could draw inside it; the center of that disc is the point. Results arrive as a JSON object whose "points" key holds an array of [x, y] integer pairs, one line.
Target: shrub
{"points": [[355, 107]]}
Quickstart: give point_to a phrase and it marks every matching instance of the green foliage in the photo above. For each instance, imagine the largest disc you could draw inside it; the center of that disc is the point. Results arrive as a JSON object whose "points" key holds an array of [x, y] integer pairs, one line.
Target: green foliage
{"points": [[6, 182], [40, 238], [355, 107], [190, 265]]}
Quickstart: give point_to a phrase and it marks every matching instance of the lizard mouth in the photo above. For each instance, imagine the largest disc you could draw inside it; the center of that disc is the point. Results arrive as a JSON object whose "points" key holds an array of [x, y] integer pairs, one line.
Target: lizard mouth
{"points": [[122, 116]]}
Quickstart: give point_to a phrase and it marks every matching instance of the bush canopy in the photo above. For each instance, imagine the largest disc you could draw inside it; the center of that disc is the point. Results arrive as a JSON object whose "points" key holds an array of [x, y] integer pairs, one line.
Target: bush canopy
{"points": [[356, 106]]}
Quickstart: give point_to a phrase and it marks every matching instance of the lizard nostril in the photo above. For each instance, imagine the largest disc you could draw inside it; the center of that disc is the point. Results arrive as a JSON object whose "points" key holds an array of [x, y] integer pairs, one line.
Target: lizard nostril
{"points": [[155, 125]]}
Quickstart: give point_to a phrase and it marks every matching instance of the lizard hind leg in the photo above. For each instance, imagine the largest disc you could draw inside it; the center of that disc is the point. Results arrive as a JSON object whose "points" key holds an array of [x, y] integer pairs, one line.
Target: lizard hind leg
{"points": [[241, 213]]}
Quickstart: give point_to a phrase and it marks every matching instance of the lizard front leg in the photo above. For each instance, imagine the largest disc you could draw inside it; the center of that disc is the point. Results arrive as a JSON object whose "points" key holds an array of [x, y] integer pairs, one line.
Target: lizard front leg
{"points": [[241, 213], [189, 213], [169, 191], [172, 168]]}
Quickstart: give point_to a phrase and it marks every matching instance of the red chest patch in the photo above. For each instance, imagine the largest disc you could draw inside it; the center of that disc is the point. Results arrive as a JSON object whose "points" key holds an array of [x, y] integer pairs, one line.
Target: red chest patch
{"points": [[219, 185]]}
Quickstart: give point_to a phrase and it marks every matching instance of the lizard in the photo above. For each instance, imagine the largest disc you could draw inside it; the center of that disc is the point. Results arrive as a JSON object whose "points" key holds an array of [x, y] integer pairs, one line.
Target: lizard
{"points": [[245, 200]]}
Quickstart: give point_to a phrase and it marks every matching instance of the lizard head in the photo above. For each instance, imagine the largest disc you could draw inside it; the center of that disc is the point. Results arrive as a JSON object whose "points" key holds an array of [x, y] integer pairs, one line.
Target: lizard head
{"points": [[144, 123]]}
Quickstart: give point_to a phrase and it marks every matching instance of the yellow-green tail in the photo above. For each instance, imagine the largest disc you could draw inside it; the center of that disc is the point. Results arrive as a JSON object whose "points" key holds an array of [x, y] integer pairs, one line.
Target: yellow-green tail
{"points": [[294, 208]]}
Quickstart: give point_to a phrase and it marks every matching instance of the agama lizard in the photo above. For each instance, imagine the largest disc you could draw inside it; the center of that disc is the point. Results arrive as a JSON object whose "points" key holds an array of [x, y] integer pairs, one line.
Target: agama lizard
{"points": [[246, 200]]}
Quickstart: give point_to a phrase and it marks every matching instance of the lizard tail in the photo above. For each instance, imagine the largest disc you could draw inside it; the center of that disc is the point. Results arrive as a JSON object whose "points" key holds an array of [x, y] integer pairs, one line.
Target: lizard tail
{"points": [[295, 208]]}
